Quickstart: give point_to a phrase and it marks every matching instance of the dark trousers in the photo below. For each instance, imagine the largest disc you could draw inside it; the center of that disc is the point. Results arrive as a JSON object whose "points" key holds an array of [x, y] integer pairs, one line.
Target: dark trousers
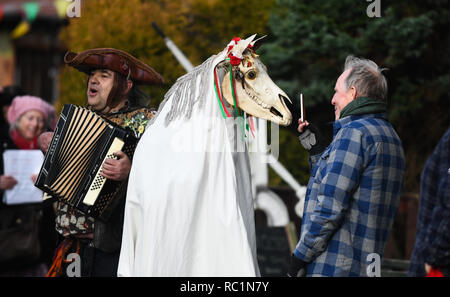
{"points": [[96, 263]]}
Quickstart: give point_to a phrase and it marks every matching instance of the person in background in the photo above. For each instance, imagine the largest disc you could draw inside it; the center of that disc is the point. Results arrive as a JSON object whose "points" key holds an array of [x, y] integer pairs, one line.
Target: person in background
{"points": [[431, 254], [23, 234], [354, 191]]}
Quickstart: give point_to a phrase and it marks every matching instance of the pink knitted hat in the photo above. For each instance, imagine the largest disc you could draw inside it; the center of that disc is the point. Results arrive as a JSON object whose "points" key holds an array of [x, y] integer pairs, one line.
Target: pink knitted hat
{"points": [[22, 104]]}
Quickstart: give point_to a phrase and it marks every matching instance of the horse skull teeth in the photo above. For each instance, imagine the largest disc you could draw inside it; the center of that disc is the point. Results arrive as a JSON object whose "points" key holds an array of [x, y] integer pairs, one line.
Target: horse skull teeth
{"points": [[258, 96], [256, 99]]}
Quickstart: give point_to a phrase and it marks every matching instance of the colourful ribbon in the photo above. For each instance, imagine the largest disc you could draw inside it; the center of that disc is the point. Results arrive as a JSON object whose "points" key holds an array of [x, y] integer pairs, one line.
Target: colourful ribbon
{"points": [[234, 61], [219, 97]]}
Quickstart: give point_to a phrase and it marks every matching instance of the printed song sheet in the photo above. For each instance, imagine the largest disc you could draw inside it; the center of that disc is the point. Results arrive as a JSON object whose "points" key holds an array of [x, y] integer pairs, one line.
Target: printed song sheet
{"points": [[22, 165]]}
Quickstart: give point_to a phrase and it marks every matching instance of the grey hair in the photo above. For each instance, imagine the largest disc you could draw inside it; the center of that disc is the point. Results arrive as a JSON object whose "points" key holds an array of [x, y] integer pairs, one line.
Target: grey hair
{"points": [[366, 77]]}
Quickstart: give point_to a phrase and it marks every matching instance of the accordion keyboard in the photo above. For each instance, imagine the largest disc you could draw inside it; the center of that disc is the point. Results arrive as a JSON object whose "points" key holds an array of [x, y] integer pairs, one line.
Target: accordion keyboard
{"points": [[98, 182]]}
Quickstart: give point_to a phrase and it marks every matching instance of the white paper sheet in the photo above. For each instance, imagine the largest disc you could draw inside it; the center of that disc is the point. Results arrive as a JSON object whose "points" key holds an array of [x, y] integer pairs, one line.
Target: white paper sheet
{"points": [[22, 164]]}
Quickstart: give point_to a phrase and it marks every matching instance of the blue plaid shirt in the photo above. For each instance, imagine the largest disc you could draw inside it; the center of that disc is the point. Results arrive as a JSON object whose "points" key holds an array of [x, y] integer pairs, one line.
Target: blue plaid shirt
{"points": [[352, 197], [433, 222]]}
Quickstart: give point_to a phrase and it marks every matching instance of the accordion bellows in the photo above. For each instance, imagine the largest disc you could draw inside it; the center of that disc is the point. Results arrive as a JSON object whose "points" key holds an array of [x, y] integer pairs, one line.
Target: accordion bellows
{"points": [[71, 169]]}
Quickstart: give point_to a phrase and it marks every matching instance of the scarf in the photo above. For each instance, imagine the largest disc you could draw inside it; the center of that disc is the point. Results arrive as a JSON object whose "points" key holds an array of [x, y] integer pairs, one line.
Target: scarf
{"points": [[363, 105], [21, 142]]}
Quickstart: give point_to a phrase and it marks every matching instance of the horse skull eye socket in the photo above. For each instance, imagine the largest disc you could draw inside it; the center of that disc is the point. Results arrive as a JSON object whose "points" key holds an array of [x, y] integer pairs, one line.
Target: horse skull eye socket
{"points": [[239, 75], [251, 74]]}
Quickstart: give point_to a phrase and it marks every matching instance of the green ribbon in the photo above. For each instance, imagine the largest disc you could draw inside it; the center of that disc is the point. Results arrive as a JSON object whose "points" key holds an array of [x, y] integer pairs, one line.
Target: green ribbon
{"points": [[220, 103]]}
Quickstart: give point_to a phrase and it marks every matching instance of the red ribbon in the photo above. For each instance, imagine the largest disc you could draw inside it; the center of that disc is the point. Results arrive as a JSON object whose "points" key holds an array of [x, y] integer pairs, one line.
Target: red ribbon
{"points": [[233, 59], [218, 93], [236, 40]]}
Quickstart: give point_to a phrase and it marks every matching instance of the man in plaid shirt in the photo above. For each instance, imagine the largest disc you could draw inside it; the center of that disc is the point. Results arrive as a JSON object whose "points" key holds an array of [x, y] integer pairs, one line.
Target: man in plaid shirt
{"points": [[354, 190]]}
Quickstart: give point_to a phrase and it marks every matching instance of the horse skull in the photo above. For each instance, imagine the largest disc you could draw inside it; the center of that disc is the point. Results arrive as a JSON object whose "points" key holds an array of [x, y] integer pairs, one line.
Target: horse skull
{"points": [[256, 93]]}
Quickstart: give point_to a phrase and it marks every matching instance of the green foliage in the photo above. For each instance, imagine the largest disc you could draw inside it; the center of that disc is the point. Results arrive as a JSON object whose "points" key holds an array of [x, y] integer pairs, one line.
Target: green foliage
{"points": [[125, 25], [212, 24], [199, 28], [309, 43], [304, 52]]}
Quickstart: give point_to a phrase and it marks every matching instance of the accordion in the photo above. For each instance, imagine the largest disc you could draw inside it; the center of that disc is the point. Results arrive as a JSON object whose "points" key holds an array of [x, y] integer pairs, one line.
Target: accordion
{"points": [[80, 145]]}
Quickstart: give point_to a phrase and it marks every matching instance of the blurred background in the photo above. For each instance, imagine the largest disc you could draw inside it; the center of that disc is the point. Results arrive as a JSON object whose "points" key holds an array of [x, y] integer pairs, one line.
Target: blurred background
{"points": [[304, 52]]}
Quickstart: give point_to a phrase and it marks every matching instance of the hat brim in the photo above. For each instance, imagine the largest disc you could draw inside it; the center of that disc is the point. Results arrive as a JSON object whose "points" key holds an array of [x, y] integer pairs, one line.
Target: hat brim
{"points": [[115, 60]]}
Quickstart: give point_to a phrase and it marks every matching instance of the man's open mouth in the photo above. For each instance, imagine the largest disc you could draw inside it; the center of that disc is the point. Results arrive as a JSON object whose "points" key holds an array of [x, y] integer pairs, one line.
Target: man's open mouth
{"points": [[92, 92]]}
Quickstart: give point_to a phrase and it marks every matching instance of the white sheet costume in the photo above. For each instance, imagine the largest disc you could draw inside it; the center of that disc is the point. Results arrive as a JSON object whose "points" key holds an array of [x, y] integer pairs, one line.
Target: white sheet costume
{"points": [[189, 208]]}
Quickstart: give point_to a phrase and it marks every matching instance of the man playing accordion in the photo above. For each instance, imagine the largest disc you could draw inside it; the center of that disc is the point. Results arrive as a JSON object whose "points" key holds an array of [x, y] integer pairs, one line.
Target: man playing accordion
{"points": [[111, 93]]}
